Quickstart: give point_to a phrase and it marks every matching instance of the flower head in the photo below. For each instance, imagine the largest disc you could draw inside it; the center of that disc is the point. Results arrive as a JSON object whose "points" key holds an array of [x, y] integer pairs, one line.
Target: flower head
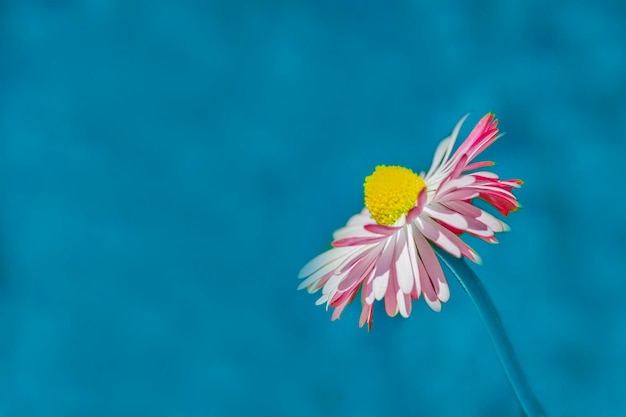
{"points": [[385, 251]]}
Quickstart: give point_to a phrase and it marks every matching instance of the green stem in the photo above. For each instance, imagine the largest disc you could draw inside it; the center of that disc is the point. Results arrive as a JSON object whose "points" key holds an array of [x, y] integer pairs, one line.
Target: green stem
{"points": [[477, 293]]}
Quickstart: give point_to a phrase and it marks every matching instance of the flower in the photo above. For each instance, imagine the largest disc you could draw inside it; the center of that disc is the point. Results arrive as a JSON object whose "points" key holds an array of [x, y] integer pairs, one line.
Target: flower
{"points": [[385, 251]]}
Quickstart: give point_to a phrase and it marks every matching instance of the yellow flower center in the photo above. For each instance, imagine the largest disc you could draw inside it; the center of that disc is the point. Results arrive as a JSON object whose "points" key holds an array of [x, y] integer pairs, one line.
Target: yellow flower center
{"points": [[390, 192]]}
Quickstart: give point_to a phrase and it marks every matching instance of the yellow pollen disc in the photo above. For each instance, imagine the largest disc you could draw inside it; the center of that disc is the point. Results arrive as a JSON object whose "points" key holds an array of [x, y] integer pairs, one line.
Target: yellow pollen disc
{"points": [[390, 192]]}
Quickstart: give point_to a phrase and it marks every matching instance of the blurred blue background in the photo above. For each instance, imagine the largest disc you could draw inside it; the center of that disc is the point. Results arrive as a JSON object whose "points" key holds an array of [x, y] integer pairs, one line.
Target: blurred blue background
{"points": [[166, 168]]}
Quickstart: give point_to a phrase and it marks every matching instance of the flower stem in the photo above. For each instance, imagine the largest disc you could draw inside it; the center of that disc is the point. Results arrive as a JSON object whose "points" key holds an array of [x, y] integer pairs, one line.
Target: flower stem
{"points": [[477, 293]]}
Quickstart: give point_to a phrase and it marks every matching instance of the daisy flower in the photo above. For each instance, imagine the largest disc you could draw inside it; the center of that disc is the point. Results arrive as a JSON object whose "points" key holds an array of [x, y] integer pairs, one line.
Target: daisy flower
{"points": [[386, 250]]}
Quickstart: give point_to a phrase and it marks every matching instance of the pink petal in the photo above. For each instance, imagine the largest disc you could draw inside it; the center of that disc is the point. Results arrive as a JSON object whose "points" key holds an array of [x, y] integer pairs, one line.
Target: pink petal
{"points": [[484, 134], [465, 249], [477, 228], [426, 284], [358, 272], [466, 209], [381, 229], [391, 302], [356, 241], [458, 168], [433, 267], [417, 210], [368, 288], [464, 194], [504, 204], [349, 297], [435, 235], [366, 313], [349, 261], [482, 216], [485, 176], [454, 184], [477, 165]]}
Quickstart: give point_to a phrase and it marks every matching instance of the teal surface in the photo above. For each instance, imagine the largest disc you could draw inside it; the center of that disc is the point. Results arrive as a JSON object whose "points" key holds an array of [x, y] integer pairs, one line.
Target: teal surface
{"points": [[166, 168]]}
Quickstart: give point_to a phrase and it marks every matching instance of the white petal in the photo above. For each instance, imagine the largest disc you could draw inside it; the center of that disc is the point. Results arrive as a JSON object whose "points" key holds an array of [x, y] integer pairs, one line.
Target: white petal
{"points": [[445, 149], [486, 174], [439, 158], [482, 216], [368, 289], [354, 227], [464, 208], [446, 215], [380, 285], [363, 217], [404, 270], [349, 261], [333, 283], [316, 276], [323, 259], [455, 184], [431, 230], [433, 268], [330, 267], [381, 277], [457, 195], [413, 259], [492, 222], [477, 228], [434, 305], [401, 305], [455, 132], [464, 248], [444, 291], [323, 299], [357, 272]]}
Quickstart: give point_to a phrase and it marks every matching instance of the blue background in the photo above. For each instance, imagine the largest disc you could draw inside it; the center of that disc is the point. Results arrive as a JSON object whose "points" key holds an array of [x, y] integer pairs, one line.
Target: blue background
{"points": [[166, 168]]}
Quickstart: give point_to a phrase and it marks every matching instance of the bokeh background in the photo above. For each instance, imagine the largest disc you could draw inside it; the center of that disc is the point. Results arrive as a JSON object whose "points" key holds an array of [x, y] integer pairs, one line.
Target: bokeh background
{"points": [[166, 168]]}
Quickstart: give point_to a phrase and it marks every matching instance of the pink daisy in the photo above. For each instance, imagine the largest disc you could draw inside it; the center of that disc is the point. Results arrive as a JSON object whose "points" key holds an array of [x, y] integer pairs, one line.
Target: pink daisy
{"points": [[385, 251]]}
